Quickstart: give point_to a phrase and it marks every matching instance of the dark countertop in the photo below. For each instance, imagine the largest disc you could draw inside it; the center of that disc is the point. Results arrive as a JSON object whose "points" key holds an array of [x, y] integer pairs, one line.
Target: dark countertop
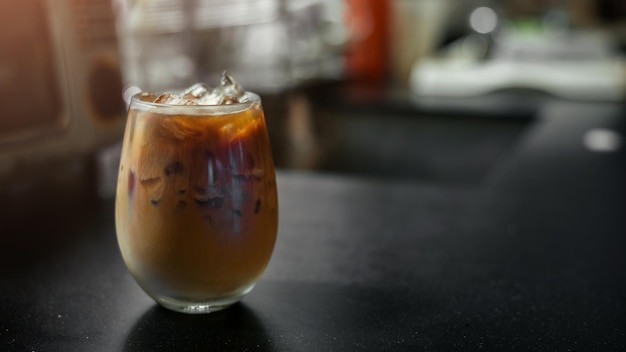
{"points": [[531, 258]]}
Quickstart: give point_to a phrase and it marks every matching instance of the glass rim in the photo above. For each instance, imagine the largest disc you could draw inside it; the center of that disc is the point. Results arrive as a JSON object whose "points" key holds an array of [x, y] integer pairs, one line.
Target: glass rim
{"points": [[136, 102]]}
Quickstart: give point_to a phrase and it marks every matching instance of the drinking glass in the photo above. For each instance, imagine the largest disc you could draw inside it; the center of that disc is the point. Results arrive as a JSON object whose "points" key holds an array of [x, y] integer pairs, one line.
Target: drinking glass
{"points": [[196, 204]]}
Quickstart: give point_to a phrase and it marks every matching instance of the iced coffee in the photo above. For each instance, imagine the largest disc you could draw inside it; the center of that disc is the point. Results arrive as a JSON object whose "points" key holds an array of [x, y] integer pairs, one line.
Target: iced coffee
{"points": [[196, 204]]}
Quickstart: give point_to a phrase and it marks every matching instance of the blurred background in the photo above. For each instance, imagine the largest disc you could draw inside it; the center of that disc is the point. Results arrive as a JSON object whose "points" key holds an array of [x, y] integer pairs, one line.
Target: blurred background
{"points": [[433, 91]]}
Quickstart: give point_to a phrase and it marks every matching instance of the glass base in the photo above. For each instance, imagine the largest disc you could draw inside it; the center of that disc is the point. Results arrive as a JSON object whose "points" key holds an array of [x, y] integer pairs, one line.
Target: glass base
{"points": [[201, 307]]}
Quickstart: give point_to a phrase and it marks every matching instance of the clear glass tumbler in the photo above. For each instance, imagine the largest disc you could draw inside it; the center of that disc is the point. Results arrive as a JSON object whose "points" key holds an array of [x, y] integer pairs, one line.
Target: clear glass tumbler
{"points": [[196, 204]]}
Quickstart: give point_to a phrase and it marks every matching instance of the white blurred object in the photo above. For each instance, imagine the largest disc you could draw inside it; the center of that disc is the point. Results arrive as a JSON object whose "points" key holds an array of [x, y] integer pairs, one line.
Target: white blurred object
{"points": [[578, 66], [483, 20], [173, 16], [416, 28], [602, 140], [266, 44]]}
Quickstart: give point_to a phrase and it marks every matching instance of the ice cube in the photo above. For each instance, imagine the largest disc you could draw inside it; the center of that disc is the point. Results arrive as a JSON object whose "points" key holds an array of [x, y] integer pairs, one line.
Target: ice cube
{"points": [[211, 98], [229, 91], [196, 91], [228, 81], [173, 99]]}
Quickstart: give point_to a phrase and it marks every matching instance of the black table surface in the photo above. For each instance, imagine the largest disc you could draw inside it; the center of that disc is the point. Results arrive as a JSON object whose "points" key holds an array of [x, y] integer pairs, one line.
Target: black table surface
{"points": [[532, 258]]}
